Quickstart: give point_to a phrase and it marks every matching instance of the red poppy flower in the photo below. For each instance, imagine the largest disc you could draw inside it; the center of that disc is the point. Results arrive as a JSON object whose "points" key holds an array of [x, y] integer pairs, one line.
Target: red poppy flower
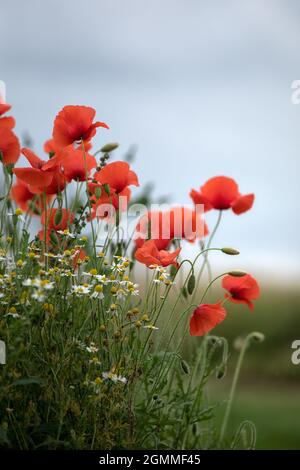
{"points": [[187, 224], [48, 218], [74, 162], [104, 203], [9, 146], [118, 176], [222, 193], [7, 122], [77, 165], [158, 224], [179, 222], [74, 124], [241, 289], [205, 318], [42, 177], [150, 255], [26, 200], [52, 148]]}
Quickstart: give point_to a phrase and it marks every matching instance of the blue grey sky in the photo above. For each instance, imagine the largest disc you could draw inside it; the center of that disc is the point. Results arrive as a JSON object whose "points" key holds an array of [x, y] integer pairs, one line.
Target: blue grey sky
{"points": [[202, 87]]}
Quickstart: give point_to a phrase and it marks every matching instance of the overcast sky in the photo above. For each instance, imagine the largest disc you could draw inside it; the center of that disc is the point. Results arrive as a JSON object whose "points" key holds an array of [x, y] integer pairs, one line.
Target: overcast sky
{"points": [[202, 87]]}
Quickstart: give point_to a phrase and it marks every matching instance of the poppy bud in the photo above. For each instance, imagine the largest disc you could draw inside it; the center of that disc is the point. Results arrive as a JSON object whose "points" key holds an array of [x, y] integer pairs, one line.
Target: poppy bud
{"points": [[59, 200], [58, 217], [213, 340], [53, 238], [33, 207], [237, 273], [9, 168], [191, 284], [106, 189], [184, 292], [185, 367], [238, 343], [230, 251], [221, 372], [257, 336], [109, 147], [98, 192], [173, 270]]}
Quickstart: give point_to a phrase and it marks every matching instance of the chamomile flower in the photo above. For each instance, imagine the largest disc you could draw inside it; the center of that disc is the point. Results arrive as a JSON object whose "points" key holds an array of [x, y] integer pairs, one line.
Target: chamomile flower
{"points": [[39, 283], [94, 361], [98, 277], [66, 273], [161, 275], [12, 315], [52, 255], [17, 215], [98, 292], [92, 348], [81, 289], [150, 327], [113, 377], [66, 233], [39, 295]]}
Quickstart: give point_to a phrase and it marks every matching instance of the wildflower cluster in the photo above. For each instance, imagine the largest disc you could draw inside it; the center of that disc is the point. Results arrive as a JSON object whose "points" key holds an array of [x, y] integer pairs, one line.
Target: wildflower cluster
{"points": [[95, 358]]}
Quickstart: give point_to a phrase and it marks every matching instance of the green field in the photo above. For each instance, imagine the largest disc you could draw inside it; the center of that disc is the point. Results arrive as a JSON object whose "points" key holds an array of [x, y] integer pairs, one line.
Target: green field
{"points": [[268, 391], [275, 410]]}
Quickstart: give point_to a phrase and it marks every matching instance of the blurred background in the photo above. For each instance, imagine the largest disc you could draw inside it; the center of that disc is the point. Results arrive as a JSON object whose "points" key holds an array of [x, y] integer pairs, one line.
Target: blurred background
{"points": [[203, 89]]}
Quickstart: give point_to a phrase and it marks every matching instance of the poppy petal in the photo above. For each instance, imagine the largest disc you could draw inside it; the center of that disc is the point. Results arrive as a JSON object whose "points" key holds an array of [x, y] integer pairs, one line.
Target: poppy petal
{"points": [[33, 158], [198, 198], [9, 146], [34, 176], [4, 107], [132, 179], [101, 124], [7, 122], [205, 318], [241, 289], [117, 175], [243, 204]]}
